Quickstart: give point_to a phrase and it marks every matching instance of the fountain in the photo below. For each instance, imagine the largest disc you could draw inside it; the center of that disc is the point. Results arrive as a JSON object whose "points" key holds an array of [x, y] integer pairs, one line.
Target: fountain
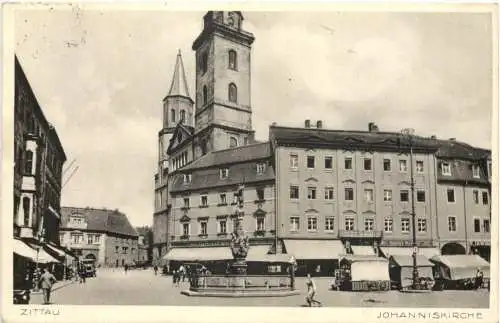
{"points": [[237, 283]]}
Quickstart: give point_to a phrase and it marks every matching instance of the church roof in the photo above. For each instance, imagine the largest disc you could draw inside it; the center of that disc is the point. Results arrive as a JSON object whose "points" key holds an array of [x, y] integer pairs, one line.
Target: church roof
{"points": [[102, 220], [179, 85], [232, 156]]}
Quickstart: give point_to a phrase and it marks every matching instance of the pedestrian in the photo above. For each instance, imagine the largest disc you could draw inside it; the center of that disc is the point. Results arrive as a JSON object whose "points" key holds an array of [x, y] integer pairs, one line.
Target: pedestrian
{"points": [[479, 279], [155, 268], [311, 291], [126, 268], [46, 282], [182, 272]]}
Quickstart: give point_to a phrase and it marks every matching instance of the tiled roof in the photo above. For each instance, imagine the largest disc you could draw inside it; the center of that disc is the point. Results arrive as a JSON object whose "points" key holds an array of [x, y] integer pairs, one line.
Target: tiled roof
{"points": [[461, 170], [461, 150], [241, 173], [377, 141], [231, 156], [111, 221]]}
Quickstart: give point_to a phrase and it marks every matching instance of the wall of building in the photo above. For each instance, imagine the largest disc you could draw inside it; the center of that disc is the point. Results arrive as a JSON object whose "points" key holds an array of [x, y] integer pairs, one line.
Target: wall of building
{"points": [[215, 212], [116, 255], [359, 179]]}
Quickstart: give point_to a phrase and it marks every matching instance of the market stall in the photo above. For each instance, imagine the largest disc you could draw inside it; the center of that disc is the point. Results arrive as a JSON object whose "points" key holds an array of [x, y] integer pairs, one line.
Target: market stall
{"points": [[401, 271], [461, 271], [364, 273]]}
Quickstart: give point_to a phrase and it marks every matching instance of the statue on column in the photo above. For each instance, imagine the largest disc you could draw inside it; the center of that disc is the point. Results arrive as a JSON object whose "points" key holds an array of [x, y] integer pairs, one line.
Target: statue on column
{"points": [[239, 243]]}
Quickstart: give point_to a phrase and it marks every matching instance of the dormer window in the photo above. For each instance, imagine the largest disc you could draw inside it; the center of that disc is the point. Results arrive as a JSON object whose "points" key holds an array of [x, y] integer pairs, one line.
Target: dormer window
{"points": [[261, 168], [475, 171], [224, 173], [446, 169], [187, 178]]}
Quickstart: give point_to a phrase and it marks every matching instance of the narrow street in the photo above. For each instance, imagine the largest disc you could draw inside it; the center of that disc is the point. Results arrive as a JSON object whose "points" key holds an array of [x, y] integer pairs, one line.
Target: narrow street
{"points": [[142, 287]]}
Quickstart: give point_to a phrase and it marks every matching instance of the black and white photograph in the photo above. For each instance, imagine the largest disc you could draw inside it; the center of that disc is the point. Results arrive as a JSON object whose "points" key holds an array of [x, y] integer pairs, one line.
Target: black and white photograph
{"points": [[336, 158]]}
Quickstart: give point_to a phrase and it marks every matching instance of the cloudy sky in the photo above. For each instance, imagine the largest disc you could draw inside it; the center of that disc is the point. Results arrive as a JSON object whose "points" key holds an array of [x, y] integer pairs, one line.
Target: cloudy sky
{"points": [[100, 77]]}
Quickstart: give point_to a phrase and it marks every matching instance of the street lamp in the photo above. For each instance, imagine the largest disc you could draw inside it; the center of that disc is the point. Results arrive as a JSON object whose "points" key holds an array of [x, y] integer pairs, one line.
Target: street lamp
{"points": [[409, 132]]}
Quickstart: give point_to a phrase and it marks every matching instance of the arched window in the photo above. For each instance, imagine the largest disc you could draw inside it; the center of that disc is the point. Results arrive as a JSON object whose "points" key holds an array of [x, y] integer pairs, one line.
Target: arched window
{"points": [[172, 115], [26, 210], [233, 93], [233, 142], [183, 115], [204, 62], [205, 95], [233, 60], [28, 162]]}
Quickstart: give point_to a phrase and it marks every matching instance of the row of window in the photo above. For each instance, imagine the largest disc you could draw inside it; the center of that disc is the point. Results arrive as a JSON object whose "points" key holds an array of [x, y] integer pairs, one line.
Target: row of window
{"points": [[349, 224], [232, 94], [78, 238], [348, 163], [182, 116], [223, 199], [231, 64], [404, 194], [446, 170], [179, 161], [329, 194], [124, 250], [224, 173], [222, 227]]}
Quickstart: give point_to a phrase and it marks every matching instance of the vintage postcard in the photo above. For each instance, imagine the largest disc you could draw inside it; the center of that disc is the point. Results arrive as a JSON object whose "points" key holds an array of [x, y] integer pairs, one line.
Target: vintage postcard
{"points": [[236, 162]]}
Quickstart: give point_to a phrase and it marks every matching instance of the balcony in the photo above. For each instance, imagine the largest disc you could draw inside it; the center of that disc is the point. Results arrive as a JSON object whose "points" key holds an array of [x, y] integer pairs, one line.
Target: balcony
{"points": [[185, 208], [358, 234], [259, 233]]}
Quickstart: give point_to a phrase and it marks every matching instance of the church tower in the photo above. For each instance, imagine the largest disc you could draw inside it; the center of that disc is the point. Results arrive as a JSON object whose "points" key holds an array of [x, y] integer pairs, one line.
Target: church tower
{"points": [[177, 108], [223, 114]]}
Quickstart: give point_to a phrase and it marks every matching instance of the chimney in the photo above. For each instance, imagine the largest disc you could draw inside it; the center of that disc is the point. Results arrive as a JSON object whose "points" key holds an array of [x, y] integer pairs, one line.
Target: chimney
{"points": [[308, 123], [319, 124], [274, 124], [433, 137], [453, 139], [372, 127]]}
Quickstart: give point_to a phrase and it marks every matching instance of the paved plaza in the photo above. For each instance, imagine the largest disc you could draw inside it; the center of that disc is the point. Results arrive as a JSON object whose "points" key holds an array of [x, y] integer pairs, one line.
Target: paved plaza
{"points": [[142, 287]]}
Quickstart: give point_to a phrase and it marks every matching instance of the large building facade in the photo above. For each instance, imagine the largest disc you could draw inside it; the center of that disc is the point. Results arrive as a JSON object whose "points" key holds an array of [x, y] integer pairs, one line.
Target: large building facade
{"points": [[322, 192], [105, 236], [39, 158]]}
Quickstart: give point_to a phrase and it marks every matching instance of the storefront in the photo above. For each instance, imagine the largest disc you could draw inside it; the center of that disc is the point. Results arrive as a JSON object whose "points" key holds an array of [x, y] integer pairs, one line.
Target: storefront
{"points": [[428, 253], [260, 262], [316, 257]]}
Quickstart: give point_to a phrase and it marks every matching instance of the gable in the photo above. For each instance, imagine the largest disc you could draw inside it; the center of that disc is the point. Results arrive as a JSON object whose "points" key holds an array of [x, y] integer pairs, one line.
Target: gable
{"points": [[181, 135]]}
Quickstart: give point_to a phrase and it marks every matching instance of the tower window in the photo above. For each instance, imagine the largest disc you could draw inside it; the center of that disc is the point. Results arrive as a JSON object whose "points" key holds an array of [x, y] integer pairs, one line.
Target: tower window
{"points": [[233, 142], [205, 95], [233, 93], [28, 164], [183, 115], [233, 60], [203, 147], [204, 63], [172, 115], [26, 210]]}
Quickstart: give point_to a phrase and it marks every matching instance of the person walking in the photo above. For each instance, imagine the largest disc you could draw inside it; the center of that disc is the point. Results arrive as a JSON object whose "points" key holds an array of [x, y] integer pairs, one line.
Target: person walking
{"points": [[126, 268], [155, 268], [182, 272], [46, 282], [479, 279], [311, 291], [82, 274]]}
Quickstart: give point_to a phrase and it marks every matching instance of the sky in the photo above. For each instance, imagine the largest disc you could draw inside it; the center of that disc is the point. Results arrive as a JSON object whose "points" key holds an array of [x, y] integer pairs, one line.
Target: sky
{"points": [[100, 77]]}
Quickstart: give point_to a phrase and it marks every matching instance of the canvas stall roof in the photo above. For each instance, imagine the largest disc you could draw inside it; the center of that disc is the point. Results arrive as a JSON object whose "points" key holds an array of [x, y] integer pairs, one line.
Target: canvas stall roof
{"points": [[462, 266], [407, 261], [199, 254], [363, 250], [405, 251], [314, 249]]}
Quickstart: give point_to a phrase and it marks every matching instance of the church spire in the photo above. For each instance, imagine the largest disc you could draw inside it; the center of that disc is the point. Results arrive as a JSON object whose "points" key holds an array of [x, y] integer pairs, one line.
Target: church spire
{"points": [[179, 85]]}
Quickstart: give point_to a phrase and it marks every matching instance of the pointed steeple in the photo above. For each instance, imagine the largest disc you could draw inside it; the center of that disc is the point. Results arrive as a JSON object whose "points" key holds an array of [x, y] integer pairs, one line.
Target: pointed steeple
{"points": [[179, 85]]}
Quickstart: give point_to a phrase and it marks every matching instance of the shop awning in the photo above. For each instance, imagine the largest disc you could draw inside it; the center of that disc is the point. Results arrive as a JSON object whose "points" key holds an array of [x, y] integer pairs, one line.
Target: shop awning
{"points": [[407, 261], [60, 252], [23, 250], [369, 268], [363, 250], [314, 249], [41, 256], [260, 254], [462, 266], [199, 254], [405, 251]]}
